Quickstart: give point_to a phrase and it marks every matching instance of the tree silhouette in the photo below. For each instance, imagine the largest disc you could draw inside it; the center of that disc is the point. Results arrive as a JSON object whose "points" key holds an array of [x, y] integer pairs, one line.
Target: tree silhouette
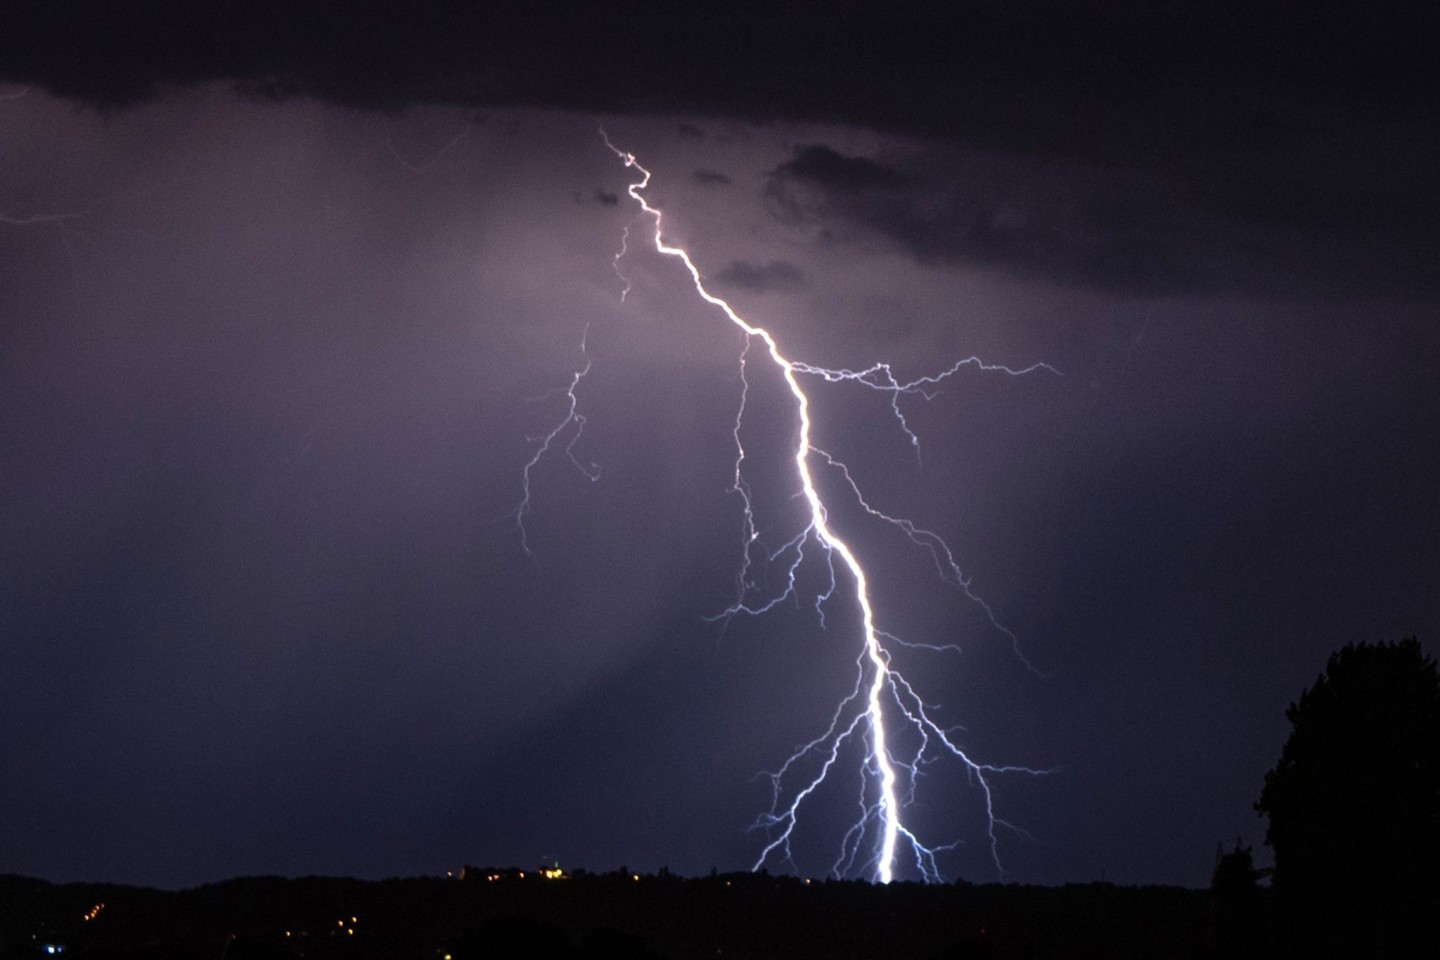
{"points": [[1237, 908], [1354, 807]]}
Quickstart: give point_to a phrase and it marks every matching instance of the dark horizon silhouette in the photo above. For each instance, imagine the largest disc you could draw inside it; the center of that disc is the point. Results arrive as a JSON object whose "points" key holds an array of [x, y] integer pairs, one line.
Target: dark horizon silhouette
{"points": [[495, 912]]}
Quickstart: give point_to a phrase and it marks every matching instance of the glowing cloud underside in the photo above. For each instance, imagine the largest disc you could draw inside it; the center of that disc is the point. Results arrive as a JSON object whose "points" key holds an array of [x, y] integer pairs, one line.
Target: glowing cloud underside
{"points": [[882, 701]]}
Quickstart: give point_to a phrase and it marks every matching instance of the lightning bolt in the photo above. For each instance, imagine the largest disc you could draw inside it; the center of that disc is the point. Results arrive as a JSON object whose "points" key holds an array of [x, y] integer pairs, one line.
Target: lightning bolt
{"points": [[571, 424], [882, 702]]}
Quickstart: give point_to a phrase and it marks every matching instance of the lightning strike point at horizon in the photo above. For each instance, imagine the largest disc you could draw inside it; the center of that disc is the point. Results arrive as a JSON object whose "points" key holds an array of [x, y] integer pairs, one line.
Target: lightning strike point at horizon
{"points": [[882, 701]]}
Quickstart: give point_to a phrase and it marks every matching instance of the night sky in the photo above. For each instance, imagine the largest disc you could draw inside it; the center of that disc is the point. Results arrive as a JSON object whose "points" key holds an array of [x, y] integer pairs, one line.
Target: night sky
{"points": [[286, 298]]}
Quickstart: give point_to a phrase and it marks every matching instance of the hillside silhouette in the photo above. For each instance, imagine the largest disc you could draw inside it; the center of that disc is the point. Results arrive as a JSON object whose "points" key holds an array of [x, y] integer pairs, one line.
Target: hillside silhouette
{"points": [[505, 913]]}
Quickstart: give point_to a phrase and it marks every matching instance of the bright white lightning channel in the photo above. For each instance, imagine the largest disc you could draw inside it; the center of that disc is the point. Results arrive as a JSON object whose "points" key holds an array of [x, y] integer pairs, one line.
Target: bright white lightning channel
{"points": [[882, 698]]}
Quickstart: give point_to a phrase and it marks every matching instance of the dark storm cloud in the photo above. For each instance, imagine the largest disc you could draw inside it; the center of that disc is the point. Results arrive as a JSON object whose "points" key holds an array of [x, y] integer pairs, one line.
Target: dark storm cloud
{"points": [[711, 178], [1090, 237], [838, 173], [898, 72], [1128, 230], [776, 276], [1195, 146], [603, 197]]}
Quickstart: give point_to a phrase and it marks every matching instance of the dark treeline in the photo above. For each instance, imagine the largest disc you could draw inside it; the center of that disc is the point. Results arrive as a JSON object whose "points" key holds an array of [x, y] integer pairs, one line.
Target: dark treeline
{"points": [[599, 917]]}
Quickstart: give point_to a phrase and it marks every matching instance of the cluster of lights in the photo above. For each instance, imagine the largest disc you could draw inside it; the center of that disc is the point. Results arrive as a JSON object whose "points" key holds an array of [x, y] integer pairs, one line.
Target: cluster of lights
{"points": [[340, 925], [93, 912], [547, 873]]}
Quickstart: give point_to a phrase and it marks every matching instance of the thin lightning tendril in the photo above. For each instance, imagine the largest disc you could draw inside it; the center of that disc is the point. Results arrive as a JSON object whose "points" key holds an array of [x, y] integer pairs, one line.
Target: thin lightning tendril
{"points": [[881, 696], [543, 442]]}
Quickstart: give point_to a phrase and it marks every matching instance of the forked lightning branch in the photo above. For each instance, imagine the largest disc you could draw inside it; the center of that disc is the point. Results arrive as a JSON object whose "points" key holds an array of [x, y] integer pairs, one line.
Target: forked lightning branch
{"points": [[882, 713]]}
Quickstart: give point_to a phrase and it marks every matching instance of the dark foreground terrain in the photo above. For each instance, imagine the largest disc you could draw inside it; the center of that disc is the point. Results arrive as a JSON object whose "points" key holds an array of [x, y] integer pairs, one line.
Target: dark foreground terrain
{"points": [[509, 913]]}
